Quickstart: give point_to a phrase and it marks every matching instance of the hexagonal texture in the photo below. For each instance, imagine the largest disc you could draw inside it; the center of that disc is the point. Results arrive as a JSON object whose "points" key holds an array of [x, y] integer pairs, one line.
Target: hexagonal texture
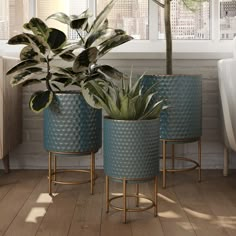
{"points": [[131, 148], [183, 118], [71, 125]]}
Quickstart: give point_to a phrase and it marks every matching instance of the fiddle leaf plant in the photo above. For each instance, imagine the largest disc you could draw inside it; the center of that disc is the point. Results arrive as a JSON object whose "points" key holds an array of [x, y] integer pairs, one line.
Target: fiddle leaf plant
{"points": [[44, 46]]}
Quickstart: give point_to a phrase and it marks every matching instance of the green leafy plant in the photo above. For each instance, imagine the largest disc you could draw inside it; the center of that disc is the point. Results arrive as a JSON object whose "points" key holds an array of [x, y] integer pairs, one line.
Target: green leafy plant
{"points": [[192, 5], [44, 46], [123, 101]]}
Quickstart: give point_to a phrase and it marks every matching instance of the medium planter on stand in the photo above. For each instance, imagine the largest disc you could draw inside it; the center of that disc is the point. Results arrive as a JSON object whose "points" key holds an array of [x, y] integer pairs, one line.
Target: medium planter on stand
{"points": [[131, 155], [182, 121], [71, 127]]}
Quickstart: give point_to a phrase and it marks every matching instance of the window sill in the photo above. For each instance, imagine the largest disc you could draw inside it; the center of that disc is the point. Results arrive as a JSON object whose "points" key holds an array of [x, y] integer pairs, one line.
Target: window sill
{"points": [[148, 50]]}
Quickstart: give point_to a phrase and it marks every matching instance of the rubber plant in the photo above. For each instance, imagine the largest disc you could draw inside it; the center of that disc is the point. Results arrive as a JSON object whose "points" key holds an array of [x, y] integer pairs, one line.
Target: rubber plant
{"points": [[44, 46], [192, 5]]}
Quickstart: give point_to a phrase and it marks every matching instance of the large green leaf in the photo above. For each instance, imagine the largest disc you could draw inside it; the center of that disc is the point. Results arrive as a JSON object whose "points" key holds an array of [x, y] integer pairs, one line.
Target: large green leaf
{"points": [[22, 65], [113, 42], [40, 100], [98, 37], [56, 38], [102, 16], [61, 17], [38, 27], [84, 59]]}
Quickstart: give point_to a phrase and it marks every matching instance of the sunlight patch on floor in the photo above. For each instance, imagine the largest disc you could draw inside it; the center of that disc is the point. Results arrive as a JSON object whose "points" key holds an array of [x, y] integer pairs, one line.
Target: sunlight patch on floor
{"points": [[165, 198], [35, 213], [198, 214], [169, 214]]}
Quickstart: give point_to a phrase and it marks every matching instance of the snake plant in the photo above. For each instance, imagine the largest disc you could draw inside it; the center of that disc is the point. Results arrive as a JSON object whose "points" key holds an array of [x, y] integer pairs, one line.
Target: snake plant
{"points": [[44, 46], [123, 101]]}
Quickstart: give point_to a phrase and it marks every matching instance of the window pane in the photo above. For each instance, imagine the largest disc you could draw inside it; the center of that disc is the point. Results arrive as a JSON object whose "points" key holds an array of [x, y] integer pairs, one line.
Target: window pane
{"points": [[129, 15], [186, 24], [227, 19], [3, 20], [44, 8]]}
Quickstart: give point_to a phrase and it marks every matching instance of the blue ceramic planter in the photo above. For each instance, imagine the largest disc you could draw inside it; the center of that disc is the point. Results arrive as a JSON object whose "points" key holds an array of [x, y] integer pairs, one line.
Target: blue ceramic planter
{"points": [[183, 93], [71, 125], [131, 148]]}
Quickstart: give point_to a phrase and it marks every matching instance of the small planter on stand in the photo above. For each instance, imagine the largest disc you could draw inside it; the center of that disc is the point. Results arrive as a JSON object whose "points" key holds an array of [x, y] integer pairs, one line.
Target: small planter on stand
{"points": [[71, 127], [131, 156]]}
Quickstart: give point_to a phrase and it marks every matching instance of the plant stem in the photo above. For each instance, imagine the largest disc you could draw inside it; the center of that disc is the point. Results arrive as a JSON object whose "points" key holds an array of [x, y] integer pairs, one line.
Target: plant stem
{"points": [[80, 36], [48, 76], [168, 37]]}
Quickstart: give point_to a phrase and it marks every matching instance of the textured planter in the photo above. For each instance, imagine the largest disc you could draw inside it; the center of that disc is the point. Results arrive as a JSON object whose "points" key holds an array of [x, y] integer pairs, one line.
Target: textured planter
{"points": [[131, 148], [183, 118], [71, 125]]}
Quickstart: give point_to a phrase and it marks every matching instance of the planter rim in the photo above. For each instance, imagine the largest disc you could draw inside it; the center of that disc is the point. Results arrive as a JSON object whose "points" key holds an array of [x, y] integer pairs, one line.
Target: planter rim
{"points": [[126, 121], [68, 92], [165, 75]]}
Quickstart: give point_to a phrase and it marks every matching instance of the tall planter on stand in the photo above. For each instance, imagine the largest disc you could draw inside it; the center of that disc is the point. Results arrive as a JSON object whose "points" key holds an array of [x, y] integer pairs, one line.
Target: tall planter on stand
{"points": [[182, 122]]}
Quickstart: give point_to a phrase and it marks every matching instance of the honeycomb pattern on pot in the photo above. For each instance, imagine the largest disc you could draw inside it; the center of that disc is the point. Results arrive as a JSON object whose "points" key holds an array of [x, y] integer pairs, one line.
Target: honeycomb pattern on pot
{"points": [[71, 125], [131, 148], [183, 94]]}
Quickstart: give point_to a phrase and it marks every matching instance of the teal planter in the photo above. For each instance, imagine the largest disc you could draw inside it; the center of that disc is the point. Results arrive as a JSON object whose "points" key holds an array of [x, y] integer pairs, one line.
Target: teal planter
{"points": [[183, 93], [71, 125], [131, 148]]}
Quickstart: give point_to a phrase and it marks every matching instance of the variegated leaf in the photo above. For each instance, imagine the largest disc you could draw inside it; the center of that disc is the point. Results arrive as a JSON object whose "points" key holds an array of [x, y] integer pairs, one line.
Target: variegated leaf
{"points": [[61, 17], [56, 38], [102, 16], [99, 37], [31, 82], [112, 43], [22, 65], [79, 23], [110, 72], [40, 100], [28, 53], [84, 59], [38, 27]]}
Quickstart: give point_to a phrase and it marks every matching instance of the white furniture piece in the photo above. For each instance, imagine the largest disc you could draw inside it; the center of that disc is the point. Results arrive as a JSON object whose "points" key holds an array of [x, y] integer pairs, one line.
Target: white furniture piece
{"points": [[227, 86], [10, 112]]}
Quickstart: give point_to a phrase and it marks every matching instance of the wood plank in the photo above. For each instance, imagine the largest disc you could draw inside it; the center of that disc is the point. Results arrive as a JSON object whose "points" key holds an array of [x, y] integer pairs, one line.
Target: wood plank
{"points": [[14, 200], [112, 222], [59, 215], [88, 211], [30, 216]]}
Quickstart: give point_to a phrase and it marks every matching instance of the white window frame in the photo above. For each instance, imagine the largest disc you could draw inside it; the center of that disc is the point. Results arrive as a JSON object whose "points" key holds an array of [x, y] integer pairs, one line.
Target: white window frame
{"points": [[182, 49]]}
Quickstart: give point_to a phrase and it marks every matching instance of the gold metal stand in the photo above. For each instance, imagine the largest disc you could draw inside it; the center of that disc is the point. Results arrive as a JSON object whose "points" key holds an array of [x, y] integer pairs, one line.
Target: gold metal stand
{"points": [[137, 195], [196, 164], [52, 171]]}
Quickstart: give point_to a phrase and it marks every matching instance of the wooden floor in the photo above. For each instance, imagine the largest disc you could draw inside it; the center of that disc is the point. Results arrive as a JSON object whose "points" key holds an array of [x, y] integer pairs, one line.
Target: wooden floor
{"points": [[185, 207]]}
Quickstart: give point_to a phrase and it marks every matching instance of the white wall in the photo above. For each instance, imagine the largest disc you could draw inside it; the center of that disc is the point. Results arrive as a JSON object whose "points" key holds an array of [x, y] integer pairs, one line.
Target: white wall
{"points": [[30, 154]]}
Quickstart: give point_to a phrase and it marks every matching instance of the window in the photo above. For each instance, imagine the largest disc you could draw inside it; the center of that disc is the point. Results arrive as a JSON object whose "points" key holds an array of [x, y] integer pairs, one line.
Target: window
{"points": [[130, 15], [227, 19], [211, 26]]}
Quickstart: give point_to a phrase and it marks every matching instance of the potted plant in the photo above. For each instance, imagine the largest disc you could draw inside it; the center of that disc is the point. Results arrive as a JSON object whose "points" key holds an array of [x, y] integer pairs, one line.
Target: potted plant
{"points": [[182, 121], [70, 124], [131, 134]]}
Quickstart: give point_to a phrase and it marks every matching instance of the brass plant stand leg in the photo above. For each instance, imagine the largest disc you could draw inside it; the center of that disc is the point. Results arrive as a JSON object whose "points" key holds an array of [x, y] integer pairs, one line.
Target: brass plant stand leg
{"points": [[196, 164], [52, 171], [125, 195]]}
